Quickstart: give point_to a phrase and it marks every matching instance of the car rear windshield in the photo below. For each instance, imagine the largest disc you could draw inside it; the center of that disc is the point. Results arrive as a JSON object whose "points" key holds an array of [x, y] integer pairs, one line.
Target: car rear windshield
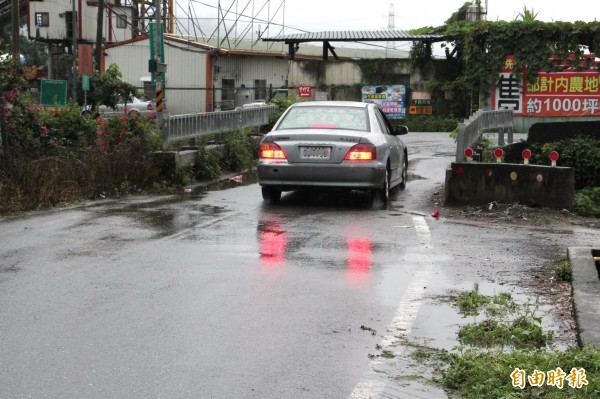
{"points": [[324, 117]]}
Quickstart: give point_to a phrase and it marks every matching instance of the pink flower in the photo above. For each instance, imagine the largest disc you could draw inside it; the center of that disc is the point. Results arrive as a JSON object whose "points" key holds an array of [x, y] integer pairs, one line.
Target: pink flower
{"points": [[44, 130], [31, 109], [40, 107]]}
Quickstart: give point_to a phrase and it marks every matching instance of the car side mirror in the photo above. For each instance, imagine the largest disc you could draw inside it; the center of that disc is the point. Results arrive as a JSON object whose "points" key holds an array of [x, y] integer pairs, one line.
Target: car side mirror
{"points": [[400, 130]]}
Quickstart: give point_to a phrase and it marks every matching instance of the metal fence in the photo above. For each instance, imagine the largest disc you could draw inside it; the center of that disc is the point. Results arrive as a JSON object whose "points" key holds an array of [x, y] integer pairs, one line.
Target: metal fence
{"points": [[480, 122], [189, 126]]}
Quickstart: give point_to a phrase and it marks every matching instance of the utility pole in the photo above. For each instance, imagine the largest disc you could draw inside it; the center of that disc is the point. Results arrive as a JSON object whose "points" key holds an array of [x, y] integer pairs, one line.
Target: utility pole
{"points": [[74, 45], [158, 65], [99, 29], [16, 48]]}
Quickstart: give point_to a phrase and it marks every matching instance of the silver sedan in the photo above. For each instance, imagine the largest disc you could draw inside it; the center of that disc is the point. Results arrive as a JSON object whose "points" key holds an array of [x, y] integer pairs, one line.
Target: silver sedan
{"points": [[332, 144]]}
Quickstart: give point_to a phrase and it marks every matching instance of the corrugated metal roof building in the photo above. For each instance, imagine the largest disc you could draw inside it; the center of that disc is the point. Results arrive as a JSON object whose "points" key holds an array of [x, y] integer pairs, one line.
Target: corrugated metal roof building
{"points": [[201, 77]]}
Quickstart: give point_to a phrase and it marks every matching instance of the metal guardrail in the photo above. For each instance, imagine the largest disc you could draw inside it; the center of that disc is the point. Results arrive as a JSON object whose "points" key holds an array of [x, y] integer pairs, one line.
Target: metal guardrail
{"points": [[188, 126], [469, 132]]}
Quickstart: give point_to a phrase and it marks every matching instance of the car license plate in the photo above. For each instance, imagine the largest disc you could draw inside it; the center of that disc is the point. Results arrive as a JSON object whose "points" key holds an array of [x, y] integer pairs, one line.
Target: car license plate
{"points": [[315, 152]]}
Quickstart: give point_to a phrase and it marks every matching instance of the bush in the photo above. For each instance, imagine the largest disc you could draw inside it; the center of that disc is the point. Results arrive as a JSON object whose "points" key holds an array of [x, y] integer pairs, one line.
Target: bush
{"points": [[237, 156], [581, 153], [206, 164], [283, 103], [587, 202], [55, 155]]}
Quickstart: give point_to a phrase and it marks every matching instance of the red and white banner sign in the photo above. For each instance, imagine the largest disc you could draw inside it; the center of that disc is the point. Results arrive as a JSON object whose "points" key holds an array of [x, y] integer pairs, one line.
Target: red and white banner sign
{"points": [[304, 91], [565, 93]]}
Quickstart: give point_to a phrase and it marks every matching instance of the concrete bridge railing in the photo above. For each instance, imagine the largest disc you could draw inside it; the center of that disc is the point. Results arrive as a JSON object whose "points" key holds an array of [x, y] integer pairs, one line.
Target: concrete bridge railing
{"points": [[469, 132], [189, 126]]}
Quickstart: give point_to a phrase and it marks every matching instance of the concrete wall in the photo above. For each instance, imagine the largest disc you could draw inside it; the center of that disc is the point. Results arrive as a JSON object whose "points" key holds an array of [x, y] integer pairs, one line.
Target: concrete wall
{"points": [[186, 72], [480, 183], [87, 24]]}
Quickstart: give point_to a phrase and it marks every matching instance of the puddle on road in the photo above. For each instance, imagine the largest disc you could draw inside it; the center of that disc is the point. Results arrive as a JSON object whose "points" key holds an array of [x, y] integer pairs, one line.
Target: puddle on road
{"points": [[247, 178], [412, 176]]}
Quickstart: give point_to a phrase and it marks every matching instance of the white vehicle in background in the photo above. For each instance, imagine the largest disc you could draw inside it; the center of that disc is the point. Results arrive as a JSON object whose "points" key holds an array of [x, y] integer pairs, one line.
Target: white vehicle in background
{"points": [[133, 107]]}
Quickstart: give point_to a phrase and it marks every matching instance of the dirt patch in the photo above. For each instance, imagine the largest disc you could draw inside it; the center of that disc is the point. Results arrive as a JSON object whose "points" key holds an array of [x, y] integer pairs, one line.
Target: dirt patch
{"points": [[513, 213], [555, 293]]}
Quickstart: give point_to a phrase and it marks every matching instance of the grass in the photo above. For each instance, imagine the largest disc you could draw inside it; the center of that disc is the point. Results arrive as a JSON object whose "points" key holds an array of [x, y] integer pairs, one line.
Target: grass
{"points": [[523, 332], [563, 271], [487, 374], [494, 348], [470, 303]]}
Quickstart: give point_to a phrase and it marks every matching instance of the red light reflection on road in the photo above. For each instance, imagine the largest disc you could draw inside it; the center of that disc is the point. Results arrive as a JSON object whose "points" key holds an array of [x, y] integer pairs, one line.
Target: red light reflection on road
{"points": [[273, 241], [358, 259]]}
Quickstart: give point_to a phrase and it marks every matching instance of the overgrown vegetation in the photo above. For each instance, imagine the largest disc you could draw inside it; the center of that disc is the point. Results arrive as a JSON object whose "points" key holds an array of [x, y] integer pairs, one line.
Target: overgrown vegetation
{"points": [[55, 155], [506, 356], [480, 47], [580, 153], [206, 164], [587, 202], [479, 374], [283, 103], [472, 303], [238, 154], [583, 154], [523, 332]]}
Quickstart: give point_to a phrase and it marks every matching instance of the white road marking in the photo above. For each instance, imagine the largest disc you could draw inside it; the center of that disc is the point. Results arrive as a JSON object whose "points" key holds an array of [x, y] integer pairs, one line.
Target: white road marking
{"points": [[372, 385]]}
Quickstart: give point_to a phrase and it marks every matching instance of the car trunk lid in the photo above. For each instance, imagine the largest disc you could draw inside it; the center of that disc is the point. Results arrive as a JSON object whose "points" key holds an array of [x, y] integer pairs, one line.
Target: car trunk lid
{"points": [[316, 145]]}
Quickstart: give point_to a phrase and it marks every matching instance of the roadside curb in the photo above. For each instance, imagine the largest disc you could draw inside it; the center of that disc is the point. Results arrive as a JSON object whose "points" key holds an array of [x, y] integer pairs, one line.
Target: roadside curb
{"points": [[586, 294]]}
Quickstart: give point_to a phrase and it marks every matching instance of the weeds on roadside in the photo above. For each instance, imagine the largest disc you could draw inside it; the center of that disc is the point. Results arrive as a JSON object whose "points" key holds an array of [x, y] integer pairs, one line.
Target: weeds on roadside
{"points": [[486, 374], [496, 348], [523, 332], [206, 164], [237, 156], [470, 303], [563, 271]]}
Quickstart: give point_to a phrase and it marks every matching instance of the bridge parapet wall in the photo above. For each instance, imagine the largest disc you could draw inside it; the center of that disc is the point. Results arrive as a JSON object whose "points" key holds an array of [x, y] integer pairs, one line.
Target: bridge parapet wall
{"points": [[478, 183]]}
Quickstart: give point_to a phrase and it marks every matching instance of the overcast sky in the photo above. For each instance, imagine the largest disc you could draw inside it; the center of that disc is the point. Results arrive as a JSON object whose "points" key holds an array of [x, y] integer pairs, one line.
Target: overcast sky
{"points": [[324, 15], [317, 15]]}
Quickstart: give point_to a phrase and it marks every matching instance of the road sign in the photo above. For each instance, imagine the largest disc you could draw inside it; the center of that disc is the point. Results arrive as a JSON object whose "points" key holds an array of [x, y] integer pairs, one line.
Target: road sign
{"points": [[85, 82], [53, 92], [304, 91]]}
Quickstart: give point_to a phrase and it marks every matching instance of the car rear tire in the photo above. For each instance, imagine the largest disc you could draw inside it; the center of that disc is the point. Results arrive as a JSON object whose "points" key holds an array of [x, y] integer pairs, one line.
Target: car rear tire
{"points": [[383, 193], [404, 173], [271, 194]]}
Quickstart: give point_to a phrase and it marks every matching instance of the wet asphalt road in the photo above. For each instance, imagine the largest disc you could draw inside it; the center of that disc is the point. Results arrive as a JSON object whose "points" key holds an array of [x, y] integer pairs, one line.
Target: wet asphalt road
{"points": [[213, 294]]}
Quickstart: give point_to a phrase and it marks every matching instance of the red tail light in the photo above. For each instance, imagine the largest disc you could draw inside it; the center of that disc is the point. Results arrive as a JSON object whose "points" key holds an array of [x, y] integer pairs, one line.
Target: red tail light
{"points": [[361, 152], [271, 151]]}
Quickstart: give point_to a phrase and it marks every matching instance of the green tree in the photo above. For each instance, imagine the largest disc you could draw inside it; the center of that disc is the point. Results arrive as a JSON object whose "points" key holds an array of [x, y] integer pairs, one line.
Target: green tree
{"points": [[108, 89], [476, 50]]}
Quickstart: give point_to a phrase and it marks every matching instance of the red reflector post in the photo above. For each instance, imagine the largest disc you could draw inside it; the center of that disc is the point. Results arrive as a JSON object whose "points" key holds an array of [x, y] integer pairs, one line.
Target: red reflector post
{"points": [[554, 157], [271, 151], [498, 153], [469, 154], [361, 152], [526, 156]]}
